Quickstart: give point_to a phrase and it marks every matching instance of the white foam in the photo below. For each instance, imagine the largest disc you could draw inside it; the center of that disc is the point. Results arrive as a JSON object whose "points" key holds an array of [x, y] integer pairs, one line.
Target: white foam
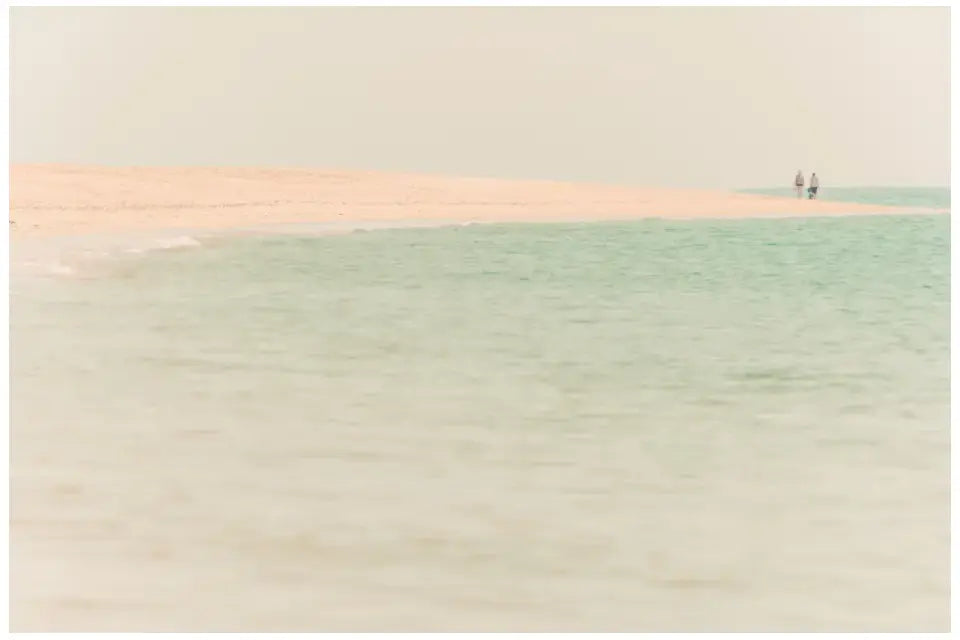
{"points": [[61, 270], [74, 255], [50, 268], [177, 242]]}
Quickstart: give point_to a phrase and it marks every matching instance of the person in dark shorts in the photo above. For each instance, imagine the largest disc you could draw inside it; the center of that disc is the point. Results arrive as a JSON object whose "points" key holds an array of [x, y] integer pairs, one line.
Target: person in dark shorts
{"points": [[814, 186]]}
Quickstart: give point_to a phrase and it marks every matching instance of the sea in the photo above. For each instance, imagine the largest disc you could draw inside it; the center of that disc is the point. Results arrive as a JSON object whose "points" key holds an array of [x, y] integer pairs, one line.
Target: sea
{"points": [[656, 425]]}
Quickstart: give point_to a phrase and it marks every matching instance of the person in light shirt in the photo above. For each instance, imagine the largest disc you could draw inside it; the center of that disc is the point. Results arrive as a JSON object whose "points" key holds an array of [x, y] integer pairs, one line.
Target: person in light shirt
{"points": [[814, 186], [798, 183]]}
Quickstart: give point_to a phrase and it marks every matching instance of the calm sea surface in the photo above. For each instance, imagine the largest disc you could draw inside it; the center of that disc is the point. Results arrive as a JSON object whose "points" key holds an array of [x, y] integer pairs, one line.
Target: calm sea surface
{"points": [[646, 426]]}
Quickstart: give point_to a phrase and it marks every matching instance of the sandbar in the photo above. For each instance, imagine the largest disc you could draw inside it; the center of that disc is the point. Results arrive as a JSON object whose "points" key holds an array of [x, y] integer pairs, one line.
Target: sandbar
{"points": [[67, 200]]}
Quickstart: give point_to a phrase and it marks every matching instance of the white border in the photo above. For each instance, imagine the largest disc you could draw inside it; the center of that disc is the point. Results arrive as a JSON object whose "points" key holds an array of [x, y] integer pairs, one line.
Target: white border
{"points": [[494, 3], [5, 348], [954, 386]]}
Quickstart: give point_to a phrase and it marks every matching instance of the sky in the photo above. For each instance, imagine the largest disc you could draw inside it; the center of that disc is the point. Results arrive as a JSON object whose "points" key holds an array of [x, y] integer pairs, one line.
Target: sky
{"points": [[645, 96]]}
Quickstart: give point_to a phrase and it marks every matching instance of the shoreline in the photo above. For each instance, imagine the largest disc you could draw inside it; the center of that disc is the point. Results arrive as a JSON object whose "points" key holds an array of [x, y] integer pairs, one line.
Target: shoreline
{"points": [[48, 201]]}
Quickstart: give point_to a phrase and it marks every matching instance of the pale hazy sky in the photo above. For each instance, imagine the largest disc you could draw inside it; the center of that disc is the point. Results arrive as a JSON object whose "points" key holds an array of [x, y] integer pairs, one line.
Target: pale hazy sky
{"points": [[736, 97]]}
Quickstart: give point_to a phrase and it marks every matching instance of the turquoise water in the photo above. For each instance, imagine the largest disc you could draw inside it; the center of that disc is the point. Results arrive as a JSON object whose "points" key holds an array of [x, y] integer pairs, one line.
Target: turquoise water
{"points": [[933, 197], [646, 426]]}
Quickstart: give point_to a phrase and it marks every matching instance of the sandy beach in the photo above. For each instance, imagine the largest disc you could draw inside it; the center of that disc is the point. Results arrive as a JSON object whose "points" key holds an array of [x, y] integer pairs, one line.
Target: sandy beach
{"points": [[55, 200]]}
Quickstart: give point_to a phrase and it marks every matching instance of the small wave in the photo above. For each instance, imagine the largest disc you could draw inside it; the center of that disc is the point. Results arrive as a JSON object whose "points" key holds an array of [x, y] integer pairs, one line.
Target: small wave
{"points": [[177, 242], [62, 270], [162, 244], [49, 268], [75, 257]]}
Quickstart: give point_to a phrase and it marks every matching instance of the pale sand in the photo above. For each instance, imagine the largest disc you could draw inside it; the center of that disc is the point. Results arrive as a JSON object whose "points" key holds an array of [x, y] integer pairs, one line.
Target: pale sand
{"points": [[76, 200]]}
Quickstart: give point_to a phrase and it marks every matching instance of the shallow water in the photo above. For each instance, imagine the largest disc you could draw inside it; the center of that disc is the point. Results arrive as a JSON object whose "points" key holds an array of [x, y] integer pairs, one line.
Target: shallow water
{"points": [[646, 426], [932, 197]]}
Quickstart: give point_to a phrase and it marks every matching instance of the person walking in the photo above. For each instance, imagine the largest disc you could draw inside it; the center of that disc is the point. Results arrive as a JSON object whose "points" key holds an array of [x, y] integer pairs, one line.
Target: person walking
{"points": [[814, 186], [798, 183]]}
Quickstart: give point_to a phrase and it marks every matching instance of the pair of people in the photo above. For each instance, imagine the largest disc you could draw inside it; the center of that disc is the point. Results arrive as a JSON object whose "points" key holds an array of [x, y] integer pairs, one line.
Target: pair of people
{"points": [[814, 185]]}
